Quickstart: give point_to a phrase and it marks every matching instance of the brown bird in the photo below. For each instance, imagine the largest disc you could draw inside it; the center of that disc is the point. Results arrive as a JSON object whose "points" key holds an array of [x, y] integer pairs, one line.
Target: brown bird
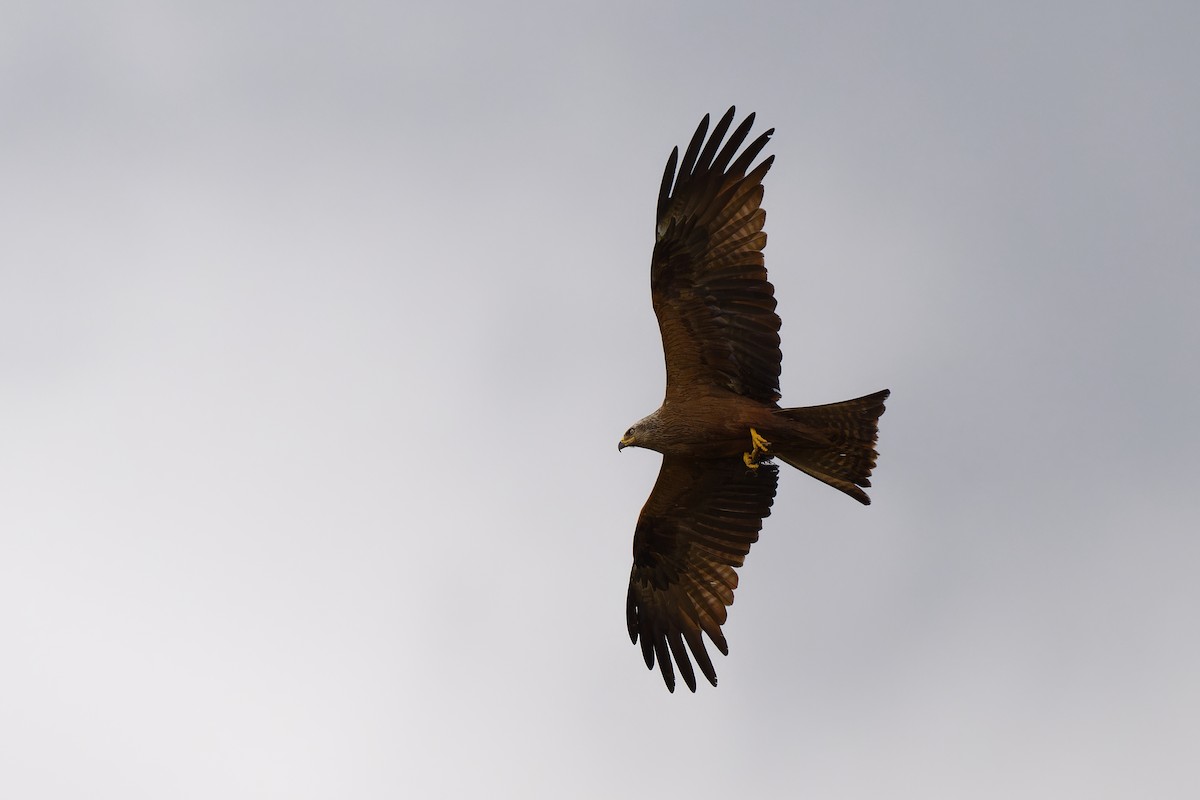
{"points": [[720, 421]]}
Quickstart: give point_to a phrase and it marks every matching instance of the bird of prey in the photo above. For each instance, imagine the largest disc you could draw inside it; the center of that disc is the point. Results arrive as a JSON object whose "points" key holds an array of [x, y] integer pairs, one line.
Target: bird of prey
{"points": [[720, 423]]}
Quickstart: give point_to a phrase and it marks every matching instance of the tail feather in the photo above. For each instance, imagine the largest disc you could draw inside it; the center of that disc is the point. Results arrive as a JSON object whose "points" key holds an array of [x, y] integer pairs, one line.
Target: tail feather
{"points": [[839, 447]]}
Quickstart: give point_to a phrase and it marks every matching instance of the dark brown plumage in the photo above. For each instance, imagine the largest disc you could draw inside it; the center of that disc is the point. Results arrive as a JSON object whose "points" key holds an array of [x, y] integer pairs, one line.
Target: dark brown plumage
{"points": [[720, 418]]}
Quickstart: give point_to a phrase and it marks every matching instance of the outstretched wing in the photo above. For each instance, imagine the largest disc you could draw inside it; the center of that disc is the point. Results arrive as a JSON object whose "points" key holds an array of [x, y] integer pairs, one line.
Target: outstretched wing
{"points": [[715, 306], [697, 526]]}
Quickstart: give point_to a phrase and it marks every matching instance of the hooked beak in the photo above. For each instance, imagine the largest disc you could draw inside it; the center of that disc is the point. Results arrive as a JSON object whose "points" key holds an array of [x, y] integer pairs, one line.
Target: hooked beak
{"points": [[626, 441]]}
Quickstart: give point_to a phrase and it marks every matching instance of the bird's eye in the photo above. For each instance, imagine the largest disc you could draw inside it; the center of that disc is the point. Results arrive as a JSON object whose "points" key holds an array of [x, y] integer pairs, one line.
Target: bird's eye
{"points": [[629, 432]]}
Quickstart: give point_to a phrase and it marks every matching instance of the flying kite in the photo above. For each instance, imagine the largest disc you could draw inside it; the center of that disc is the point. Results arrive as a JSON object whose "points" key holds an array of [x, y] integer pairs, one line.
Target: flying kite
{"points": [[720, 422]]}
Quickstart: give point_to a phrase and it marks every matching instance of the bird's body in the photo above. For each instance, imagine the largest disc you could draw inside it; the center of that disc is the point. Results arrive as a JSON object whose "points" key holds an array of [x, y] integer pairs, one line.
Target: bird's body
{"points": [[712, 424], [720, 422]]}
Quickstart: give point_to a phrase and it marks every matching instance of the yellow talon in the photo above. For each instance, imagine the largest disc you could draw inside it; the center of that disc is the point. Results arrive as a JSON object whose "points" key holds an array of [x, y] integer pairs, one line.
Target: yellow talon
{"points": [[760, 446]]}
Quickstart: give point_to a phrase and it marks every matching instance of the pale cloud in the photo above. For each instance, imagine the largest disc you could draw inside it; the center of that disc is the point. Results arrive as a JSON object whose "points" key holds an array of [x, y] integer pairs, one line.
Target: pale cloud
{"points": [[320, 327]]}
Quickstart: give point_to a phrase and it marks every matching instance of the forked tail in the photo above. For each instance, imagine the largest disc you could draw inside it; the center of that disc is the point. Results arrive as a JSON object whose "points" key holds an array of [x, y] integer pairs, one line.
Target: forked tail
{"points": [[843, 454]]}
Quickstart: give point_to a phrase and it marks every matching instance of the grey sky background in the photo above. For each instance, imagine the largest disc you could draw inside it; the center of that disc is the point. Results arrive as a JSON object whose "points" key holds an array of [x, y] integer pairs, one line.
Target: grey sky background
{"points": [[319, 325]]}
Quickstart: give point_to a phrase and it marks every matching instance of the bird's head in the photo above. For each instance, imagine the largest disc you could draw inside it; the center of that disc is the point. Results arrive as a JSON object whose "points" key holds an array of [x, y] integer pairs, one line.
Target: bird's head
{"points": [[628, 440], [641, 434]]}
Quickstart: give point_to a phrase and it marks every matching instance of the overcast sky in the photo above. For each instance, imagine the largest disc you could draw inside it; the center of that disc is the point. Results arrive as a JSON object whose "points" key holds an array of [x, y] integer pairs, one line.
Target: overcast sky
{"points": [[319, 324]]}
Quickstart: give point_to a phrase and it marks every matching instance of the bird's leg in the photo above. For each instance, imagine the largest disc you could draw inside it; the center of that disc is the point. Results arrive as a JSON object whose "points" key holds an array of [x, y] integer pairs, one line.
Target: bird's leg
{"points": [[760, 445]]}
